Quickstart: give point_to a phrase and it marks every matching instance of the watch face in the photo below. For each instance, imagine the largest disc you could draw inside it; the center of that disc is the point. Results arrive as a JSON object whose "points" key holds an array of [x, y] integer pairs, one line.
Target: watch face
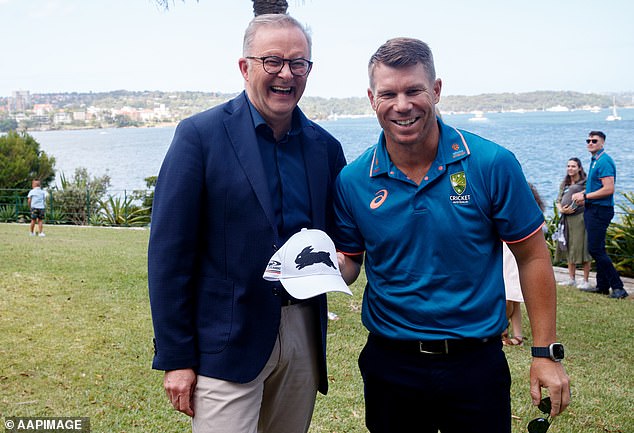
{"points": [[558, 351]]}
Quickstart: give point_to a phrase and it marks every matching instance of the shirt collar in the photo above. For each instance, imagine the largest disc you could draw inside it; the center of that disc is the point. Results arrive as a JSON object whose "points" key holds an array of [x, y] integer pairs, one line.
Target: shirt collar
{"points": [[452, 147], [598, 155], [297, 123]]}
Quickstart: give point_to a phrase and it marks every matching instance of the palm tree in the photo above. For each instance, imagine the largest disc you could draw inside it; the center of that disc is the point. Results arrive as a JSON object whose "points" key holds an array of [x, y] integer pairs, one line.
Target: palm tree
{"points": [[259, 6], [269, 7]]}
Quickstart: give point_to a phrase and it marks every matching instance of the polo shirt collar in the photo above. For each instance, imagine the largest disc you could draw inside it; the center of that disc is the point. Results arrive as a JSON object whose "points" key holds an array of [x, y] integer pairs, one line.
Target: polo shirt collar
{"points": [[452, 147], [598, 154]]}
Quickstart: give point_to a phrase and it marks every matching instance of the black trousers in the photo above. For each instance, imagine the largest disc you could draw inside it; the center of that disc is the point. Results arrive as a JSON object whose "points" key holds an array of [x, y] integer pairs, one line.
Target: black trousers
{"points": [[597, 219], [467, 392]]}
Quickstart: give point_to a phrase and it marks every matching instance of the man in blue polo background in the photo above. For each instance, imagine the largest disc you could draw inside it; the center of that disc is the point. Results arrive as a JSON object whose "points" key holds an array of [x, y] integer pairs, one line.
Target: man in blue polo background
{"points": [[429, 207], [598, 200]]}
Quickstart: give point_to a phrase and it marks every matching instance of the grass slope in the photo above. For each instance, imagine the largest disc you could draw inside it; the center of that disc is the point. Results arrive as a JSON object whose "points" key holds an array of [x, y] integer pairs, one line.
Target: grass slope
{"points": [[76, 340]]}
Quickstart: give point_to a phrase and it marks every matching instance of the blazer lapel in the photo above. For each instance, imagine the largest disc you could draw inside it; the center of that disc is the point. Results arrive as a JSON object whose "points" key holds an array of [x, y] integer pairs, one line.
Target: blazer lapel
{"points": [[242, 136]]}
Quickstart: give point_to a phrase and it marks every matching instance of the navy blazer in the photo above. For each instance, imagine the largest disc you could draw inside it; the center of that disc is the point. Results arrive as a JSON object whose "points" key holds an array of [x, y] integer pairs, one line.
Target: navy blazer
{"points": [[213, 232]]}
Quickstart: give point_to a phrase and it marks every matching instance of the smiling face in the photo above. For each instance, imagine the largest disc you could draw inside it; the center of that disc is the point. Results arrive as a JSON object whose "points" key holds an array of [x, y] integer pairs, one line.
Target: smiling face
{"points": [[573, 169], [275, 96], [405, 99]]}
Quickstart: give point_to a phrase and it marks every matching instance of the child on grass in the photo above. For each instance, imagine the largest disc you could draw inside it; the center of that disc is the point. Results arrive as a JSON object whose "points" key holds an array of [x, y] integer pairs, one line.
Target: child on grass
{"points": [[37, 203]]}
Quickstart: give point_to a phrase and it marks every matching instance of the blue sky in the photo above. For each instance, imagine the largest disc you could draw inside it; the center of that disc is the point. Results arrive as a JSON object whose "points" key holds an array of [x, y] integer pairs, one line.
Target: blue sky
{"points": [[480, 46]]}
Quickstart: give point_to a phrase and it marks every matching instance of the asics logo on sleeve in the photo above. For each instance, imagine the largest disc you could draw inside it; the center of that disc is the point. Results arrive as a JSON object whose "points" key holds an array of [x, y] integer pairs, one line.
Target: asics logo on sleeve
{"points": [[378, 199]]}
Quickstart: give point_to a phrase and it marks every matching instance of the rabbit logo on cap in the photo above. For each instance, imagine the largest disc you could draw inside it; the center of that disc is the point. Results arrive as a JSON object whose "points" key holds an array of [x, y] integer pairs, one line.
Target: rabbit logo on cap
{"points": [[307, 266]]}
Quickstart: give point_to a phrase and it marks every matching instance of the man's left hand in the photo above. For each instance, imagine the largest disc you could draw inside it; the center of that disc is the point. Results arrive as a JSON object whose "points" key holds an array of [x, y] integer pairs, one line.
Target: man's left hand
{"points": [[549, 374]]}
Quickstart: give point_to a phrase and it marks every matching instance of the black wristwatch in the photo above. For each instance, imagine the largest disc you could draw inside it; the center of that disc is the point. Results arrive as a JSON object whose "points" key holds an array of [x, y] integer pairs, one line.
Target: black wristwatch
{"points": [[555, 351]]}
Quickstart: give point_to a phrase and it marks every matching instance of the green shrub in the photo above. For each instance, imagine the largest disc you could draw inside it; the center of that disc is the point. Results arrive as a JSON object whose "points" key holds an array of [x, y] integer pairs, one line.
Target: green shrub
{"points": [[552, 224], [146, 196], [79, 198], [8, 214], [117, 211], [620, 239], [56, 216]]}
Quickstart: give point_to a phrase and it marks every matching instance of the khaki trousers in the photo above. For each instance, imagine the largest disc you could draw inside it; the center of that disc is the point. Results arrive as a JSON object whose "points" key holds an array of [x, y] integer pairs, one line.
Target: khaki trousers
{"points": [[281, 399]]}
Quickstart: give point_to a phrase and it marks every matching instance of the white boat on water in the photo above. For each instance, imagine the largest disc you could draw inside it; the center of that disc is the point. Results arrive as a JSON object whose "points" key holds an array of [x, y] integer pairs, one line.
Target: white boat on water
{"points": [[558, 109], [478, 116], [614, 116]]}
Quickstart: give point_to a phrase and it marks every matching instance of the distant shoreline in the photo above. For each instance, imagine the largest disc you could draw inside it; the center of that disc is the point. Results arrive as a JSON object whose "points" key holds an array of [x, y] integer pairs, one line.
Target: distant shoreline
{"points": [[118, 109], [477, 115]]}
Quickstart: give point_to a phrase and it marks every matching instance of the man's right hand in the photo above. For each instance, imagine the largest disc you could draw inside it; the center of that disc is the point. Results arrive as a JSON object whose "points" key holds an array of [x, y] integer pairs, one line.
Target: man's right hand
{"points": [[348, 268], [567, 210], [179, 386], [578, 198]]}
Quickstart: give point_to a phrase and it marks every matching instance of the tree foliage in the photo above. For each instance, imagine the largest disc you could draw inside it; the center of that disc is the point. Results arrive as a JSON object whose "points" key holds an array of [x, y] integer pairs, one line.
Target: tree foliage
{"points": [[540, 100], [269, 7], [21, 160], [8, 124]]}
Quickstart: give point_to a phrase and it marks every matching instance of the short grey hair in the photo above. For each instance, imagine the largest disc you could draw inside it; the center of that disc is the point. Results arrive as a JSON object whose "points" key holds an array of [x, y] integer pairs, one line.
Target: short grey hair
{"points": [[403, 52], [272, 20]]}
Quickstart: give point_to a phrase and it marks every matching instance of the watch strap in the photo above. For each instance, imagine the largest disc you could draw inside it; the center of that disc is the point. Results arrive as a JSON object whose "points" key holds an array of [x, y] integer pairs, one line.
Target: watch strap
{"points": [[540, 352]]}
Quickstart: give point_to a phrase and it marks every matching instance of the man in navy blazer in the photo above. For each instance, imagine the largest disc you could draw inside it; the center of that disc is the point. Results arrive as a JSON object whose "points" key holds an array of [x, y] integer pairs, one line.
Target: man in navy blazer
{"points": [[239, 353]]}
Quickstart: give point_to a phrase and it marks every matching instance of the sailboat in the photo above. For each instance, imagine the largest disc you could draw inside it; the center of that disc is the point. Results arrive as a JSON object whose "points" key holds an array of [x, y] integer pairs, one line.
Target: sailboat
{"points": [[614, 116], [478, 116]]}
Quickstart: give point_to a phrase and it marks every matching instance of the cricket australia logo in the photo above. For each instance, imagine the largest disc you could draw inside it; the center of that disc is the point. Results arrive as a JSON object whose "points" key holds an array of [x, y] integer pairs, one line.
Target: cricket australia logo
{"points": [[458, 182], [459, 185]]}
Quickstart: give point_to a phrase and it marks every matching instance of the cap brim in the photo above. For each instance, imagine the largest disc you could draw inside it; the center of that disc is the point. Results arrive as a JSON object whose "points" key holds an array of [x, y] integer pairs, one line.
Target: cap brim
{"points": [[314, 285]]}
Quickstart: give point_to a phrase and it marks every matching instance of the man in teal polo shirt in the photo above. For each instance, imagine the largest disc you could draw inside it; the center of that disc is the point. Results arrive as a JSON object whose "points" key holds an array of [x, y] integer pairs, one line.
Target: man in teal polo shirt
{"points": [[429, 207], [598, 201]]}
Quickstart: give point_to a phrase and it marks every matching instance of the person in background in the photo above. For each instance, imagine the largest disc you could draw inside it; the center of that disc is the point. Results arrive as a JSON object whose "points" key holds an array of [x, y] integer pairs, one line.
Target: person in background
{"points": [[434, 301], [37, 203], [598, 200], [513, 288], [240, 355], [575, 250]]}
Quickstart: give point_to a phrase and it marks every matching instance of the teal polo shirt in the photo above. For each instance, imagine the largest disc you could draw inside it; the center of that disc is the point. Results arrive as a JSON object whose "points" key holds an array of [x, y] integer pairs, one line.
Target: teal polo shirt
{"points": [[433, 252], [601, 165]]}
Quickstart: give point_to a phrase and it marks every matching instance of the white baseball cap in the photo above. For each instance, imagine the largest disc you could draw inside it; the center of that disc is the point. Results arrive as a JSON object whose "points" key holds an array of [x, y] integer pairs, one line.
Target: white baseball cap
{"points": [[307, 266]]}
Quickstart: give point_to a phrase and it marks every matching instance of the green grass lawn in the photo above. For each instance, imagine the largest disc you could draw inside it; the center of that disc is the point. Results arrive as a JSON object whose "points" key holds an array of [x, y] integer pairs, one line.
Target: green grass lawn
{"points": [[76, 340]]}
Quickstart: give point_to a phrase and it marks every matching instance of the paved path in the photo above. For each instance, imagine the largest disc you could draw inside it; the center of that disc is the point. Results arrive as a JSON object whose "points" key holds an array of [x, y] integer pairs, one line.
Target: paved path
{"points": [[561, 274]]}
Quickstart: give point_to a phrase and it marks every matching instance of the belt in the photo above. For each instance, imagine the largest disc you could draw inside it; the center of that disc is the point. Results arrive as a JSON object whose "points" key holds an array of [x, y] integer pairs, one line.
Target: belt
{"points": [[290, 301], [590, 204], [285, 298], [433, 347]]}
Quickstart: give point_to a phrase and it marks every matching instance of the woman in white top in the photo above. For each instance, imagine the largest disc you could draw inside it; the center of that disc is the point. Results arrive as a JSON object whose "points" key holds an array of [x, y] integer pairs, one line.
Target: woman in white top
{"points": [[513, 289]]}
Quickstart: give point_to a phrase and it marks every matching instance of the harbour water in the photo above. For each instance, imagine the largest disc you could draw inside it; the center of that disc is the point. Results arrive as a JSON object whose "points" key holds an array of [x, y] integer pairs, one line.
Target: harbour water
{"points": [[542, 142]]}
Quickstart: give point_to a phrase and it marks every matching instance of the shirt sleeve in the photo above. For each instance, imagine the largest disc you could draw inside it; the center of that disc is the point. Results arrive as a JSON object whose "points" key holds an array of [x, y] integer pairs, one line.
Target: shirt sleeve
{"points": [[347, 237], [514, 208], [607, 169]]}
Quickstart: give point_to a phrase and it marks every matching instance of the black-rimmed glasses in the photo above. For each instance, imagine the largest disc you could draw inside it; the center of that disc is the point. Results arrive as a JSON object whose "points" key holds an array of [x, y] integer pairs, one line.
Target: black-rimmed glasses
{"points": [[540, 425], [592, 140], [274, 64]]}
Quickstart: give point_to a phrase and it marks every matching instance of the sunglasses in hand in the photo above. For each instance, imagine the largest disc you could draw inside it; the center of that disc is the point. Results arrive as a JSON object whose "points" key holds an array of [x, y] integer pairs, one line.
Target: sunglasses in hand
{"points": [[540, 425]]}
